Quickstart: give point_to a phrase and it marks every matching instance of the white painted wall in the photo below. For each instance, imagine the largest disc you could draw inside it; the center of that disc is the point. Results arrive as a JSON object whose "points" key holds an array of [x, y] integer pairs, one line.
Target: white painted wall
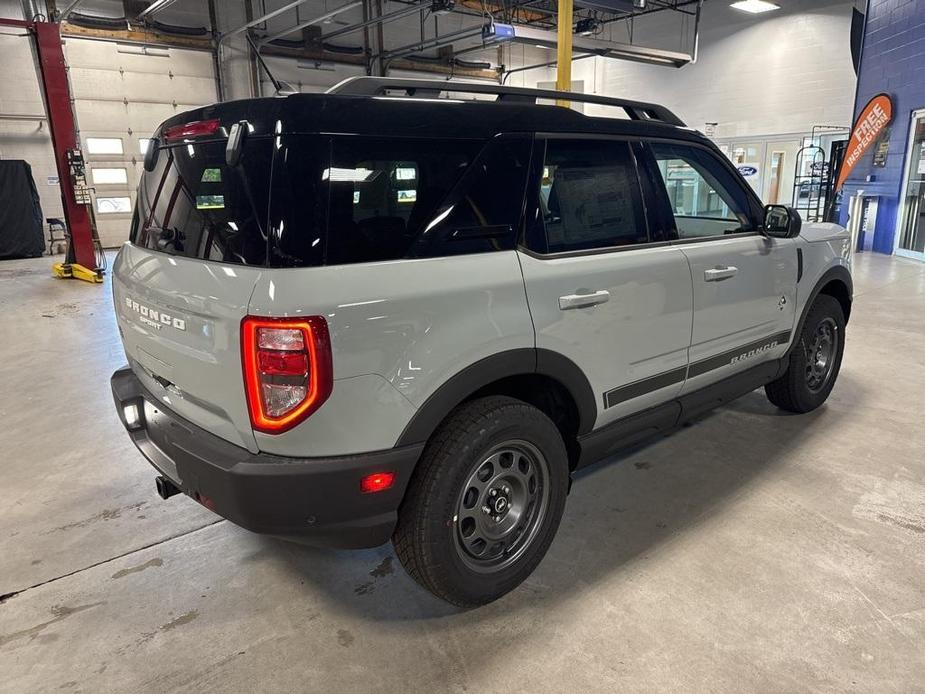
{"points": [[782, 72], [20, 94]]}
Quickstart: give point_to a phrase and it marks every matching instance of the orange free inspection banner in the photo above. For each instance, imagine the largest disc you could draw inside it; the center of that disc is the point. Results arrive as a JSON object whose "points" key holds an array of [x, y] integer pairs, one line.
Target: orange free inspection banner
{"points": [[873, 120]]}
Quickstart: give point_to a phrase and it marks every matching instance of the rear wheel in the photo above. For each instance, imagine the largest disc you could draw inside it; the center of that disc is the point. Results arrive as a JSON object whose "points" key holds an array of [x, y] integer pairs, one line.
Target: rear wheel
{"points": [[485, 501], [814, 361]]}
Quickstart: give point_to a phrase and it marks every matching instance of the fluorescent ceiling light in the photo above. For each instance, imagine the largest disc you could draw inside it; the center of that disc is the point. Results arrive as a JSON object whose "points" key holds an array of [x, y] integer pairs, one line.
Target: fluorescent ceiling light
{"points": [[754, 6]]}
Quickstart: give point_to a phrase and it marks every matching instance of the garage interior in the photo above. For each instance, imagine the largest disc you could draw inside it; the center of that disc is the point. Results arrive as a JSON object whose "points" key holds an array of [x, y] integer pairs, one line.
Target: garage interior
{"points": [[754, 551]]}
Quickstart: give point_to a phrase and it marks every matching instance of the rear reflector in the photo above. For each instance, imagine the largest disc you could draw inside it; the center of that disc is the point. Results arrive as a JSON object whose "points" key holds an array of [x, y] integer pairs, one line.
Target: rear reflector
{"points": [[198, 128], [377, 482], [288, 372]]}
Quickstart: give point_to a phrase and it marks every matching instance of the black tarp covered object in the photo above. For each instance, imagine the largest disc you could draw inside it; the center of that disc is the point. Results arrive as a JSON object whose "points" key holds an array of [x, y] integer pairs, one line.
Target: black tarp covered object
{"points": [[21, 234]]}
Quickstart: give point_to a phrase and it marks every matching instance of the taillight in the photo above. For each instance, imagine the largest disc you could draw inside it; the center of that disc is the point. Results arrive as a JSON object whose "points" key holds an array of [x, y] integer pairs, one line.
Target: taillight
{"points": [[198, 128], [288, 372]]}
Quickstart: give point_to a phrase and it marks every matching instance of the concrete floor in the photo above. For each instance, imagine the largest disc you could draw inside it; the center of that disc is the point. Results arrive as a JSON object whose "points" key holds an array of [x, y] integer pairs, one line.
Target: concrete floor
{"points": [[753, 552]]}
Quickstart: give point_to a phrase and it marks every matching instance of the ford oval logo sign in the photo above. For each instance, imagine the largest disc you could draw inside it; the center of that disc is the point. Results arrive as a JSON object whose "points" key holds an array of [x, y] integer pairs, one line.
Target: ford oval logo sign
{"points": [[748, 171]]}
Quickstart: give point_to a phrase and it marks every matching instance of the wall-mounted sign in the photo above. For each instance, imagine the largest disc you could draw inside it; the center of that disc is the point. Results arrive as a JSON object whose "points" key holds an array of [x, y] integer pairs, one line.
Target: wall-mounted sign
{"points": [[819, 168], [875, 117], [747, 170], [51, 180]]}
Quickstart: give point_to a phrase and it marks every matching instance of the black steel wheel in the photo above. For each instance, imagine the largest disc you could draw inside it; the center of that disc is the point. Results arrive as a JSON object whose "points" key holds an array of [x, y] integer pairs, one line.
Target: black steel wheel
{"points": [[814, 360], [485, 501], [501, 506], [821, 349]]}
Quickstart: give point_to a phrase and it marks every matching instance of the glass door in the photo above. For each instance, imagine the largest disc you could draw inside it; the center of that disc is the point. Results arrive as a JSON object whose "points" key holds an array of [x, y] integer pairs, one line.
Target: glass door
{"points": [[748, 158], [910, 239]]}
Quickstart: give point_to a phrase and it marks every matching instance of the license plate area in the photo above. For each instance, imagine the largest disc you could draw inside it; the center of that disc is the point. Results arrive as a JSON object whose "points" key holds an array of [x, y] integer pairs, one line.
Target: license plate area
{"points": [[158, 425]]}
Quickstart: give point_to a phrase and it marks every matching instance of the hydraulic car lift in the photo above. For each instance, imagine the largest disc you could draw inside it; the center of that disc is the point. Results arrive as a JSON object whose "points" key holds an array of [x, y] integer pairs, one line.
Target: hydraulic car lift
{"points": [[80, 261]]}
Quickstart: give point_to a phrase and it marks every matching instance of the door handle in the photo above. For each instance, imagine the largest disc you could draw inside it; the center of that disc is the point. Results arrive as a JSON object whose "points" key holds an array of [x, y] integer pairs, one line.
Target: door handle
{"points": [[583, 300], [720, 273]]}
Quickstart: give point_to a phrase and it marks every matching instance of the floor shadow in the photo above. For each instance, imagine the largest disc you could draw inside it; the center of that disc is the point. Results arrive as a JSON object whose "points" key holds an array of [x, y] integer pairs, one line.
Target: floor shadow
{"points": [[617, 511]]}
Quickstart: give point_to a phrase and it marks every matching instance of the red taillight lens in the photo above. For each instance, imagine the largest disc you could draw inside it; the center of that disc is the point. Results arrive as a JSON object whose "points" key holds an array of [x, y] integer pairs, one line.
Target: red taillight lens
{"points": [[198, 128], [377, 482], [288, 372]]}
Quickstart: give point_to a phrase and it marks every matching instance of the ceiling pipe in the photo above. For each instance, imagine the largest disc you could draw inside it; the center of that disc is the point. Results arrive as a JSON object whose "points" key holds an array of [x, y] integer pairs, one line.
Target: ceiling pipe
{"points": [[697, 32], [317, 20], [67, 10], [380, 20], [548, 63], [154, 7], [261, 19], [220, 45], [435, 42]]}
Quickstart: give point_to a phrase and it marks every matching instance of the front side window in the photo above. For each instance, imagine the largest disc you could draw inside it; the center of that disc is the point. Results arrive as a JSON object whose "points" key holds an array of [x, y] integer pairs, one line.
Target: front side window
{"points": [[702, 192], [589, 196]]}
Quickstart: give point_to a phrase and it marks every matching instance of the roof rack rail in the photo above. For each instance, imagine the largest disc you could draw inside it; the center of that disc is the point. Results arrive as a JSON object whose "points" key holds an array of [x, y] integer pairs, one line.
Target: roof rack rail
{"points": [[377, 86]]}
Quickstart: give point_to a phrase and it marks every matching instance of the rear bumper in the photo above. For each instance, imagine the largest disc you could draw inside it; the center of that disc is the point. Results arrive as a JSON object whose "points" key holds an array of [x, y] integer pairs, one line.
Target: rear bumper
{"points": [[314, 500]]}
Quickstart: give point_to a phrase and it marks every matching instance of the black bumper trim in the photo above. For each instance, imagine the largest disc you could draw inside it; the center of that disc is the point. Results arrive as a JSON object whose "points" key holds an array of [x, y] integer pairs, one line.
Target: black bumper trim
{"points": [[314, 500]]}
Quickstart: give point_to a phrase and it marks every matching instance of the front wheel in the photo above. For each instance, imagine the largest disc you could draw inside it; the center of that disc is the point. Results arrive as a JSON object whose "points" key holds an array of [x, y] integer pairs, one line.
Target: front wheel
{"points": [[815, 359], [485, 501]]}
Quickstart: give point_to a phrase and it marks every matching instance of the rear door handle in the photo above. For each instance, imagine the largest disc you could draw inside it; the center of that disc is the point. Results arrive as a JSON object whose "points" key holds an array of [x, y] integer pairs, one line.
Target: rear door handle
{"points": [[720, 273], [570, 301]]}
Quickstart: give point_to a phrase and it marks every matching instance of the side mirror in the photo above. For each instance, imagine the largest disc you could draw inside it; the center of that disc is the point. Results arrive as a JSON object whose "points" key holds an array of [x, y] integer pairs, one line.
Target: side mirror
{"points": [[151, 154], [782, 222], [235, 146]]}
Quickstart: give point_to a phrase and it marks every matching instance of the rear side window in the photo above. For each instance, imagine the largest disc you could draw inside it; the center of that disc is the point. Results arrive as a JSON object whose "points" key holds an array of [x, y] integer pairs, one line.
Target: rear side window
{"points": [[193, 205], [589, 196], [481, 214], [384, 192], [354, 199]]}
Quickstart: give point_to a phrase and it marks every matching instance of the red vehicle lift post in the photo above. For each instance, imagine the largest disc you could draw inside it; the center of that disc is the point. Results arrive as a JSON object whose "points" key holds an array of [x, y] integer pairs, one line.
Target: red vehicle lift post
{"points": [[81, 260]]}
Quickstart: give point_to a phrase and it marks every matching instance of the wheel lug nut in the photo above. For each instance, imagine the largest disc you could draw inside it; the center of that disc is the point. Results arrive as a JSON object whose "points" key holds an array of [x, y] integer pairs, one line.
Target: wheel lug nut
{"points": [[493, 492], [487, 510]]}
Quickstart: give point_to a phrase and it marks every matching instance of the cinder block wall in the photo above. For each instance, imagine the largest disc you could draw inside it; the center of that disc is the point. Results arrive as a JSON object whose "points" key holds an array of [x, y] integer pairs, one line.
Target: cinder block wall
{"points": [[893, 62]]}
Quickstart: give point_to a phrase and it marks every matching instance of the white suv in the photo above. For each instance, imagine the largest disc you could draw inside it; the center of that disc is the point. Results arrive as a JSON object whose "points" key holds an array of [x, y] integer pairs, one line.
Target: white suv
{"points": [[358, 316]]}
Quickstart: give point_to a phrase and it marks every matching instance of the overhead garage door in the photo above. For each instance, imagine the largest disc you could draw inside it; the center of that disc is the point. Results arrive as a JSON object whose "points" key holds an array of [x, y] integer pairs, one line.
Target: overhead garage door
{"points": [[121, 93]]}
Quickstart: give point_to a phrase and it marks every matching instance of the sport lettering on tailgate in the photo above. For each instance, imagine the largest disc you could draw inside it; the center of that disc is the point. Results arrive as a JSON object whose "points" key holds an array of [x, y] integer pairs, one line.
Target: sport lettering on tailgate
{"points": [[154, 318]]}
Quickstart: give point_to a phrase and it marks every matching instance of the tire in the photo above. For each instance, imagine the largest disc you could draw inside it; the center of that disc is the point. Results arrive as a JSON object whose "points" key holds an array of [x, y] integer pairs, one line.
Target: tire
{"points": [[808, 381], [496, 468]]}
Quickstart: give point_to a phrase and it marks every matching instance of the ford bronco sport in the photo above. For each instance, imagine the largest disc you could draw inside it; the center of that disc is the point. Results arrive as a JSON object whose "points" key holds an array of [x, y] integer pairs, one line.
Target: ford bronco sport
{"points": [[376, 313]]}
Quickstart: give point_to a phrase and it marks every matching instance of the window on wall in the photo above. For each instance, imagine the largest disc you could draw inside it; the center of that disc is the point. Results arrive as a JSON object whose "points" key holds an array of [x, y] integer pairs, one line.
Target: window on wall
{"points": [[589, 196], [115, 205], [704, 196], [102, 176], [104, 145]]}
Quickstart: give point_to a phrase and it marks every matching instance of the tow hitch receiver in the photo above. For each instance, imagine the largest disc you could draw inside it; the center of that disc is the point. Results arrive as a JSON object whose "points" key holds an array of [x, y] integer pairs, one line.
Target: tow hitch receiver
{"points": [[165, 488]]}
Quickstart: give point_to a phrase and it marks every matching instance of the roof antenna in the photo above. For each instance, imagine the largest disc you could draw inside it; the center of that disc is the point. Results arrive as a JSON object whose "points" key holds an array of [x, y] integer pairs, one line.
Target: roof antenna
{"points": [[282, 88]]}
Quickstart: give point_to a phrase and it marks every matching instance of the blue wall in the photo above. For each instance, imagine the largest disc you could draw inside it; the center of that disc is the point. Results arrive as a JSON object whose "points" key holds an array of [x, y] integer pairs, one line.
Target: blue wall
{"points": [[893, 61]]}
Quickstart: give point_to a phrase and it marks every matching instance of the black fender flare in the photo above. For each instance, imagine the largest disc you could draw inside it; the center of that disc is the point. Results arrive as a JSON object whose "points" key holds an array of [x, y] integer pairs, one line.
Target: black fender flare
{"points": [[840, 273], [476, 376]]}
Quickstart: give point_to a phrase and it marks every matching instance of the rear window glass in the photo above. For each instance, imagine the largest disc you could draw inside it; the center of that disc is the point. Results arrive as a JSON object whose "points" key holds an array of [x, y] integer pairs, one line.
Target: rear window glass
{"points": [[193, 205]]}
